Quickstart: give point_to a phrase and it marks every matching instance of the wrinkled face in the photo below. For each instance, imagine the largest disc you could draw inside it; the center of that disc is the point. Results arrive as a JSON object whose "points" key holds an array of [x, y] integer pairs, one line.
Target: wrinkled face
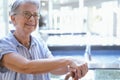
{"points": [[26, 18]]}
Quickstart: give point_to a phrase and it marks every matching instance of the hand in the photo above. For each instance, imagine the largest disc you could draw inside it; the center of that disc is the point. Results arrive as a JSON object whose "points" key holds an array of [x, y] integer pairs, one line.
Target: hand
{"points": [[83, 70], [80, 72], [71, 74], [77, 73], [73, 67]]}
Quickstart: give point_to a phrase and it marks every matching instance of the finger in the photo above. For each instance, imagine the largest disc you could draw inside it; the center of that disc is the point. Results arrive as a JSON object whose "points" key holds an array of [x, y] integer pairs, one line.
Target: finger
{"points": [[79, 73], [78, 76], [84, 70]]}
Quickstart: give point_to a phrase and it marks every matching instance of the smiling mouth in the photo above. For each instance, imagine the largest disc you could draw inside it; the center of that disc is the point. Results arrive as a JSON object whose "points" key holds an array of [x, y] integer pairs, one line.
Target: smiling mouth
{"points": [[30, 24]]}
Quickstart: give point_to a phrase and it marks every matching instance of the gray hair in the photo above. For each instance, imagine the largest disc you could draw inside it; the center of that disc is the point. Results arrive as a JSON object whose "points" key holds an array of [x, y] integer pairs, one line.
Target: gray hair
{"points": [[17, 3]]}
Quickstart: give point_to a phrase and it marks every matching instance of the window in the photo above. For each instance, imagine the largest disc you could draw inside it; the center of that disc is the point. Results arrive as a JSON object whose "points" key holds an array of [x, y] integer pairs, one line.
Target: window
{"points": [[100, 18]]}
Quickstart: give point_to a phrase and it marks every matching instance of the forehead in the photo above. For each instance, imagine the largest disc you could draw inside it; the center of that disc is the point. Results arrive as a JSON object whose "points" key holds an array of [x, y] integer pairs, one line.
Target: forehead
{"points": [[28, 7]]}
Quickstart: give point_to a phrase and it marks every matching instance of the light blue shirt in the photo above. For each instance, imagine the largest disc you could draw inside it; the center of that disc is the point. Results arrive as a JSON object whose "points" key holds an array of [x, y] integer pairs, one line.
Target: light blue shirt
{"points": [[37, 50]]}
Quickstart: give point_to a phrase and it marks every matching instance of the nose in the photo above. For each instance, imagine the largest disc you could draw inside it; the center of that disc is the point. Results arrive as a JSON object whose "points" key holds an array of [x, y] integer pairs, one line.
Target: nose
{"points": [[31, 17]]}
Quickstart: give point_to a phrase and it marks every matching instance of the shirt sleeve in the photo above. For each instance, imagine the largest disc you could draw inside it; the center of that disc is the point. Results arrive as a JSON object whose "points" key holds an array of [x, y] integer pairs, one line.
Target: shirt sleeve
{"points": [[44, 47], [47, 51], [5, 48]]}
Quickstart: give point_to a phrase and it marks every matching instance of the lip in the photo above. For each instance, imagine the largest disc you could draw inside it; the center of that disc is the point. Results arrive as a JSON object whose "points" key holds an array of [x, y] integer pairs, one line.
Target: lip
{"points": [[30, 24]]}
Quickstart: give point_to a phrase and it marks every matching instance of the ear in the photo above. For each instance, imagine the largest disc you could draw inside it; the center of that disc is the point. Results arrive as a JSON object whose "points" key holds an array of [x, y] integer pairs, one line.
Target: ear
{"points": [[13, 19]]}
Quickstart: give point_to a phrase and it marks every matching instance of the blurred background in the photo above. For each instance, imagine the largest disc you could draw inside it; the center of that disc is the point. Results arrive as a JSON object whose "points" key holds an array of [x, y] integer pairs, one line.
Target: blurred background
{"points": [[85, 29]]}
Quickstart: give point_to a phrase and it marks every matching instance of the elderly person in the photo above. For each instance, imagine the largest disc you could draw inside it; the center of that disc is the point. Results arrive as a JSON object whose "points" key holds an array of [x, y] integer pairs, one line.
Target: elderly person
{"points": [[24, 57]]}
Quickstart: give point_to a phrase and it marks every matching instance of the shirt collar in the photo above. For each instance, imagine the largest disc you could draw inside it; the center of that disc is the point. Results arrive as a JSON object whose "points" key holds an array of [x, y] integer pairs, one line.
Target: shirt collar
{"points": [[16, 42]]}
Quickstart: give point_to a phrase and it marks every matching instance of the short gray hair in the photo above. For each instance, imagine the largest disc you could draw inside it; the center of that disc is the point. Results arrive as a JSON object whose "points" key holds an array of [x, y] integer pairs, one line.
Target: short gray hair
{"points": [[17, 3]]}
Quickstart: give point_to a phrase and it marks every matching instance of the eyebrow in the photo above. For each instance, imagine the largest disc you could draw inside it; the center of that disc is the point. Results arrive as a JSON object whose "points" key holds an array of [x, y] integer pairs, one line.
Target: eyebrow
{"points": [[31, 13]]}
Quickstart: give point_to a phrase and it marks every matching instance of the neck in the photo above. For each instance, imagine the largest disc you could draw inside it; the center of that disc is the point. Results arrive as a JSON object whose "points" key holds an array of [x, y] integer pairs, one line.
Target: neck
{"points": [[23, 39]]}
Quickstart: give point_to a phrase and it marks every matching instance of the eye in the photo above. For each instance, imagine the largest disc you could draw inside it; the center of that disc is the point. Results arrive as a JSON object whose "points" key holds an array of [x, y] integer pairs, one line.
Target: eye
{"points": [[27, 14], [36, 15]]}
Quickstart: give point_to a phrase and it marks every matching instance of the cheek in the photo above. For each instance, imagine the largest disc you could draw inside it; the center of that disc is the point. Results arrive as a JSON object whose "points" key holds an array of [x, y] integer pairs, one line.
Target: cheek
{"points": [[20, 21]]}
